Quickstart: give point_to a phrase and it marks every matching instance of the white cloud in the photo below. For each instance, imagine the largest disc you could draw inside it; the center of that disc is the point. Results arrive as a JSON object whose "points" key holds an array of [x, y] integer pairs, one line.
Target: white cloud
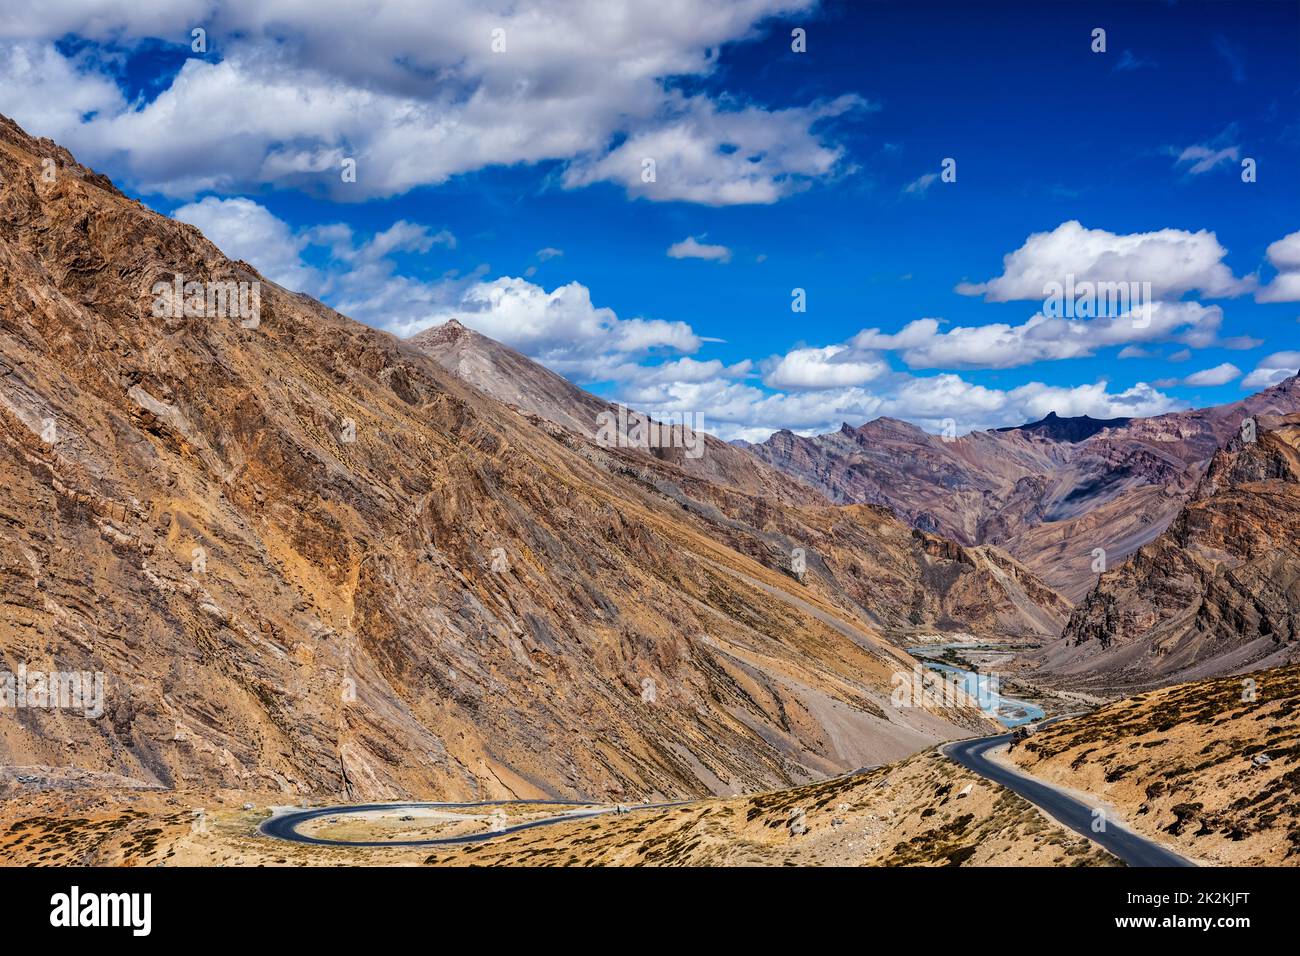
{"points": [[699, 153], [283, 98], [734, 409], [561, 327], [829, 367], [1202, 158], [921, 183], [808, 389], [691, 248], [922, 343], [682, 371], [244, 229], [1174, 261], [1139, 401], [1134, 351], [1219, 375], [1273, 369], [49, 94], [1284, 256]]}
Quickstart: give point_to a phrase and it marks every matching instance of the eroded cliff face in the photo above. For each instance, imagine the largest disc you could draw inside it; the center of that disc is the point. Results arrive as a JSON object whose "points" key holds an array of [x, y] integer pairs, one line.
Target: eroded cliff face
{"points": [[306, 557], [1217, 592]]}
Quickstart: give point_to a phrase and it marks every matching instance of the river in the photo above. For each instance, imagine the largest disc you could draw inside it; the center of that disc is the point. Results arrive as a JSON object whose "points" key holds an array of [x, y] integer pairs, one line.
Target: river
{"points": [[1008, 711]]}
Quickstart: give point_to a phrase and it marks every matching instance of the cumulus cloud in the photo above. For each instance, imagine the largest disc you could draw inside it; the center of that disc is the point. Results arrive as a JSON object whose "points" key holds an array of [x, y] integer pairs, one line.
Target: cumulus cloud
{"points": [[1284, 256], [561, 328], [1173, 261], [1273, 369], [50, 94], [359, 277], [829, 367], [649, 361], [923, 343], [691, 248], [1219, 375], [283, 99], [244, 229], [736, 409], [698, 152]]}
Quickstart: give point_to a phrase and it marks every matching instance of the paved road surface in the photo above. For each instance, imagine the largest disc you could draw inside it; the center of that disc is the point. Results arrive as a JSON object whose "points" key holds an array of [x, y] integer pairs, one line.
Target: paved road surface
{"points": [[1133, 849], [285, 825], [1069, 812]]}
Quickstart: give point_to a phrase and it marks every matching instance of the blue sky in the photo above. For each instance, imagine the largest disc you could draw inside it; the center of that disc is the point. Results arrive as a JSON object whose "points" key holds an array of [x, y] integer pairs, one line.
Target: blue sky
{"points": [[499, 181]]}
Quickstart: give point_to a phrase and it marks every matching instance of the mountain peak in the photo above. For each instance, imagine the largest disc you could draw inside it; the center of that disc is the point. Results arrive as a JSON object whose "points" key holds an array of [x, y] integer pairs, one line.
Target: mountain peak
{"points": [[444, 334], [1074, 428]]}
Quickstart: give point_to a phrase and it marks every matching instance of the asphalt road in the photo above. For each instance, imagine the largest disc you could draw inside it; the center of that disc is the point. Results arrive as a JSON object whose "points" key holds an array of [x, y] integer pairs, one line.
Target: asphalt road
{"points": [[1069, 812], [285, 825], [1133, 849]]}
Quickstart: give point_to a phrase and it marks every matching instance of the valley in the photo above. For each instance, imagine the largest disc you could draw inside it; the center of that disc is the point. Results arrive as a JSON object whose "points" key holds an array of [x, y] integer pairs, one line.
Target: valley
{"points": [[412, 599]]}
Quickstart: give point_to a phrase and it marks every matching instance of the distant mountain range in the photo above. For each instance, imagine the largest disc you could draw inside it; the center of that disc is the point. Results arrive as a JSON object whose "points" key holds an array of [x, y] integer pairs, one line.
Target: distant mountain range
{"points": [[1217, 592], [1049, 493], [1067, 429]]}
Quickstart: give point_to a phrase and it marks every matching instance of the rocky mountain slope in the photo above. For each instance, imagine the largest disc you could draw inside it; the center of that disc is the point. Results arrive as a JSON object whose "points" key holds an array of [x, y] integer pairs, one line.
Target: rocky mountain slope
{"points": [[1217, 592], [905, 581], [1049, 493], [304, 557], [516, 380]]}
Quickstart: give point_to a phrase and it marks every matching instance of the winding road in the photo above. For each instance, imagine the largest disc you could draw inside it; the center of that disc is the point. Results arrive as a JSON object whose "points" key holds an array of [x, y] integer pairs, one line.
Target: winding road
{"points": [[285, 825], [973, 754], [1066, 810]]}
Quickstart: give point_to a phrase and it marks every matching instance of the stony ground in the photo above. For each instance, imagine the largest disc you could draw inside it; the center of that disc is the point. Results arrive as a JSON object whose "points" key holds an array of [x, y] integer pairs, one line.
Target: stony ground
{"points": [[1180, 765]]}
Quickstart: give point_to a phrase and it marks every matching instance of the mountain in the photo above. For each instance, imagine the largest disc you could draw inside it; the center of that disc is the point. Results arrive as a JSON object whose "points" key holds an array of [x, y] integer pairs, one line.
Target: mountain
{"points": [[1049, 493], [907, 582], [304, 558], [1068, 429], [516, 380], [1218, 592]]}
